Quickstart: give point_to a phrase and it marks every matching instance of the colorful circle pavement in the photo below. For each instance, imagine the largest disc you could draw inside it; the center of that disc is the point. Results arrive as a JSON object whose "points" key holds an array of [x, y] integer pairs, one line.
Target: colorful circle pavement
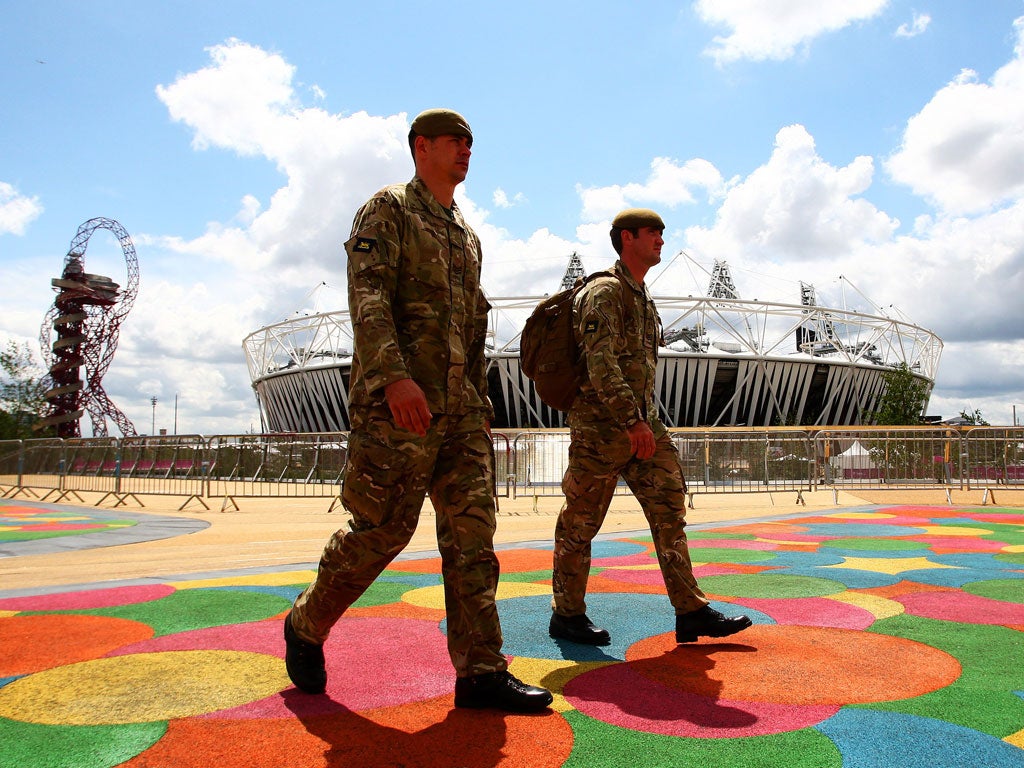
{"points": [[883, 636], [35, 528]]}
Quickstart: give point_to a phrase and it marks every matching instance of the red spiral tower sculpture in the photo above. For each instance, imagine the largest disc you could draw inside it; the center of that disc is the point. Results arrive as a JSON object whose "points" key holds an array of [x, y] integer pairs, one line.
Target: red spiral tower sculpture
{"points": [[86, 317]]}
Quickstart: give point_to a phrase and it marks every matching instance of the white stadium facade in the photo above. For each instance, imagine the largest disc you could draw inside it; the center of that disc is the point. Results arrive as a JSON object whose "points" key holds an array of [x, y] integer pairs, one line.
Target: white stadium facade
{"points": [[724, 362]]}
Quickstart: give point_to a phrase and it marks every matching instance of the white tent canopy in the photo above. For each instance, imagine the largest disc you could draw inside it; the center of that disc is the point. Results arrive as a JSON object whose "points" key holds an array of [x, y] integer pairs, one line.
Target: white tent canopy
{"points": [[854, 457]]}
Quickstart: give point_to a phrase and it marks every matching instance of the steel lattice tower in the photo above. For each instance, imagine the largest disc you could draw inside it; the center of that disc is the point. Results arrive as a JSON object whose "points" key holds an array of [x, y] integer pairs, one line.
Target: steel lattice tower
{"points": [[573, 272], [86, 317]]}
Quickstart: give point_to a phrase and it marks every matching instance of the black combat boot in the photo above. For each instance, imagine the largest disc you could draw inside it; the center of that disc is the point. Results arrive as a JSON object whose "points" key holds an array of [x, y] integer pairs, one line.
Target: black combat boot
{"points": [[707, 622], [500, 690], [579, 629], [304, 661]]}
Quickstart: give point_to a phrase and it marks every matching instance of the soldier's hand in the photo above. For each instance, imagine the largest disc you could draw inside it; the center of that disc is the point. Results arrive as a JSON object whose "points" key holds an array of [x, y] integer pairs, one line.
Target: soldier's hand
{"points": [[408, 405], [641, 440]]}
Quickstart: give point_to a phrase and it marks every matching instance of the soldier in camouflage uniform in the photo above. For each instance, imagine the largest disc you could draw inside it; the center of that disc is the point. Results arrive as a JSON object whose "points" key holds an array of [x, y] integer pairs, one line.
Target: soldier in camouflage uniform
{"points": [[420, 418], [615, 431]]}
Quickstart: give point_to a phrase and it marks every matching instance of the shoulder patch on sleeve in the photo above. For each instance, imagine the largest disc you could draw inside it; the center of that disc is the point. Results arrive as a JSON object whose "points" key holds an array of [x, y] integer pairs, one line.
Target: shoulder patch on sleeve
{"points": [[590, 326], [364, 244]]}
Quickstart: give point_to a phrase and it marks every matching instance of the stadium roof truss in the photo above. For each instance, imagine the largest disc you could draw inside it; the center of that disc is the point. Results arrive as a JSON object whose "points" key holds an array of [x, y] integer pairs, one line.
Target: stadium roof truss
{"points": [[725, 361]]}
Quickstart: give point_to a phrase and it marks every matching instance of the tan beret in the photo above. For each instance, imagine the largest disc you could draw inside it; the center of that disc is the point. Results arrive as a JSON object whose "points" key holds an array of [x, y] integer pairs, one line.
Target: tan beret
{"points": [[631, 218], [440, 122]]}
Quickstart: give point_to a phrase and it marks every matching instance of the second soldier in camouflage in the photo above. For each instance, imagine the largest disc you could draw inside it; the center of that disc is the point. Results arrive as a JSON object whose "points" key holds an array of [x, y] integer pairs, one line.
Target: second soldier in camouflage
{"points": [[615, 432]]}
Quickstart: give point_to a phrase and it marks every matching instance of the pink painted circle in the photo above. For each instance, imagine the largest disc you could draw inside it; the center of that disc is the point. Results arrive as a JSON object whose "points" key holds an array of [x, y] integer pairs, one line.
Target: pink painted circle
{"points": [[91, 598], [371, 663], [769, 679]]}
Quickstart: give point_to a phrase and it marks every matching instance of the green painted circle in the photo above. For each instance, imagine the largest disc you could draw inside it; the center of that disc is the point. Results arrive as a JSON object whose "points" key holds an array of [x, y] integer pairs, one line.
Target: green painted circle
{"points": [[874, 545], [30, 745], [599, 745], [188, 609], [1007, 590], [728, 555], [767, 585]]}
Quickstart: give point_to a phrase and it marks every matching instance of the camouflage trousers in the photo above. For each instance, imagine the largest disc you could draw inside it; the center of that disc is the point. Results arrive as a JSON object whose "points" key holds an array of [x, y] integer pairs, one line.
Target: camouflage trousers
{"points": [[390, 470], [596, 461]]}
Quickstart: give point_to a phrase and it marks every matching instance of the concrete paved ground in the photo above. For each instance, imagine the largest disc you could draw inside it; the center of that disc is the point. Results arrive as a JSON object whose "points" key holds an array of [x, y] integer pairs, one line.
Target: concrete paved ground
{"points": [[281, 532]]}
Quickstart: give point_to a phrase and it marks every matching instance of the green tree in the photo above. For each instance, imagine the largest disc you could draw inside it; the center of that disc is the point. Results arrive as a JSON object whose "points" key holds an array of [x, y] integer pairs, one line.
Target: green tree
{"points": [[974, 418], [22, 387], [904, 399]]}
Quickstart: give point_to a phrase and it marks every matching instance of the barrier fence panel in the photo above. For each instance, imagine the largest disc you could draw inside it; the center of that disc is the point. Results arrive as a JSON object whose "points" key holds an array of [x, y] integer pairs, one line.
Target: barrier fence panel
{"points": [[993, 456], [12, 459], [43, 466], [298, 465], [527, 462], [92, 464], [890, 457], [539, 458], [504, 473], [733, 460], [725, 461], [170, 465]]}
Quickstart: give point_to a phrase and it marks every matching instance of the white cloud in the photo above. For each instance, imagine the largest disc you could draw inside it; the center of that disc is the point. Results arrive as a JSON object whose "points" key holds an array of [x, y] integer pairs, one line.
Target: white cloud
{"points": [[916, 27], [669, 184], [239, 102], [245, 102], [964, 150], [799, 218], [795, 208], [502, 200], [16, 210], [264, 261], [774, 29]]}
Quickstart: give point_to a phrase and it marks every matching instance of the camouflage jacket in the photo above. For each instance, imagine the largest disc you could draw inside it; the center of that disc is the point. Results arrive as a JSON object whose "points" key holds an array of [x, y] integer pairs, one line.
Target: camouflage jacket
{"points": [[415, 299], [619, 331]]}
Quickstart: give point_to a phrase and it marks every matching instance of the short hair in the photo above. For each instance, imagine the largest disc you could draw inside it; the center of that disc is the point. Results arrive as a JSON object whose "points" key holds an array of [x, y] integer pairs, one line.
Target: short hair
{"points": [[616, 235]]}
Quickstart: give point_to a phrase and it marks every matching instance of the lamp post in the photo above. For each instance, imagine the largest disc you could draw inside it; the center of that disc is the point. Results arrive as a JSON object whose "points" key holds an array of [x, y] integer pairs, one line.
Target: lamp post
{"points": [[153, 401]]}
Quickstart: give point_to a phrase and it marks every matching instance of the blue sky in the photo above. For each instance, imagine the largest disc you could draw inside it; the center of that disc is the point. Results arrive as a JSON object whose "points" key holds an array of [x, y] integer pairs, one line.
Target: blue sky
{"points": [[878, 140]]}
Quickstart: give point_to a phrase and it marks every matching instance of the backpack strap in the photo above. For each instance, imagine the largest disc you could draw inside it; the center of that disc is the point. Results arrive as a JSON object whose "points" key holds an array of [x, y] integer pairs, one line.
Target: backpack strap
{"points": [[585, 280]]}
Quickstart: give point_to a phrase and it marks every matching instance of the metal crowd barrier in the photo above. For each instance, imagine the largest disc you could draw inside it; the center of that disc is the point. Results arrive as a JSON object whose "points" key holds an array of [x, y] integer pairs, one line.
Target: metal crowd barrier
{"points": [[714, 461], [165, 465], [527, 463], [539, 459], [922, 458], [993, 456], [277, 465]]}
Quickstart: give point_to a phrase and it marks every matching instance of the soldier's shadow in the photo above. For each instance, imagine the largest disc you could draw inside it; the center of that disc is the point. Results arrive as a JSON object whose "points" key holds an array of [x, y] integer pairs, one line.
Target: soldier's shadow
{"points": [[469, 738], [676, 686]]}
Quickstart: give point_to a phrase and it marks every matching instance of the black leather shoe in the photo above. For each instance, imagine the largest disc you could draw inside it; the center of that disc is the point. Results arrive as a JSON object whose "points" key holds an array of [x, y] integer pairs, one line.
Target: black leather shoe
{"points": [[708, 622], [304, 661], [500, 690], [579, 629]]}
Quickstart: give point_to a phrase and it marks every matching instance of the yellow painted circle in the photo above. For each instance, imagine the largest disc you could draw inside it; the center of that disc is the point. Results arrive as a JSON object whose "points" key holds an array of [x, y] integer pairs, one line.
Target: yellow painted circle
{"points": [[143, 688], [433, 596]]}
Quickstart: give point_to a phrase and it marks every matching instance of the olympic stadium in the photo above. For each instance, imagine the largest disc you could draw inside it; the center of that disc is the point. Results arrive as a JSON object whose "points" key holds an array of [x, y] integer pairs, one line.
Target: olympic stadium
{"points": [[724, 361]]}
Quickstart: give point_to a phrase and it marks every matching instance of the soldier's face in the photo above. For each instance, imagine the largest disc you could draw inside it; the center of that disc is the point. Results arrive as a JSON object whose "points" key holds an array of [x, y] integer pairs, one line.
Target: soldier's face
{"points": [[646, 246], [446, 157]]}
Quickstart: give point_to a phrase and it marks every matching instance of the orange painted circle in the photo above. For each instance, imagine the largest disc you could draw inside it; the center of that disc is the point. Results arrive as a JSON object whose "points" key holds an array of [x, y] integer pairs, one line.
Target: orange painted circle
{"points": [[797, 665], [33, 643], [421, 734]]}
